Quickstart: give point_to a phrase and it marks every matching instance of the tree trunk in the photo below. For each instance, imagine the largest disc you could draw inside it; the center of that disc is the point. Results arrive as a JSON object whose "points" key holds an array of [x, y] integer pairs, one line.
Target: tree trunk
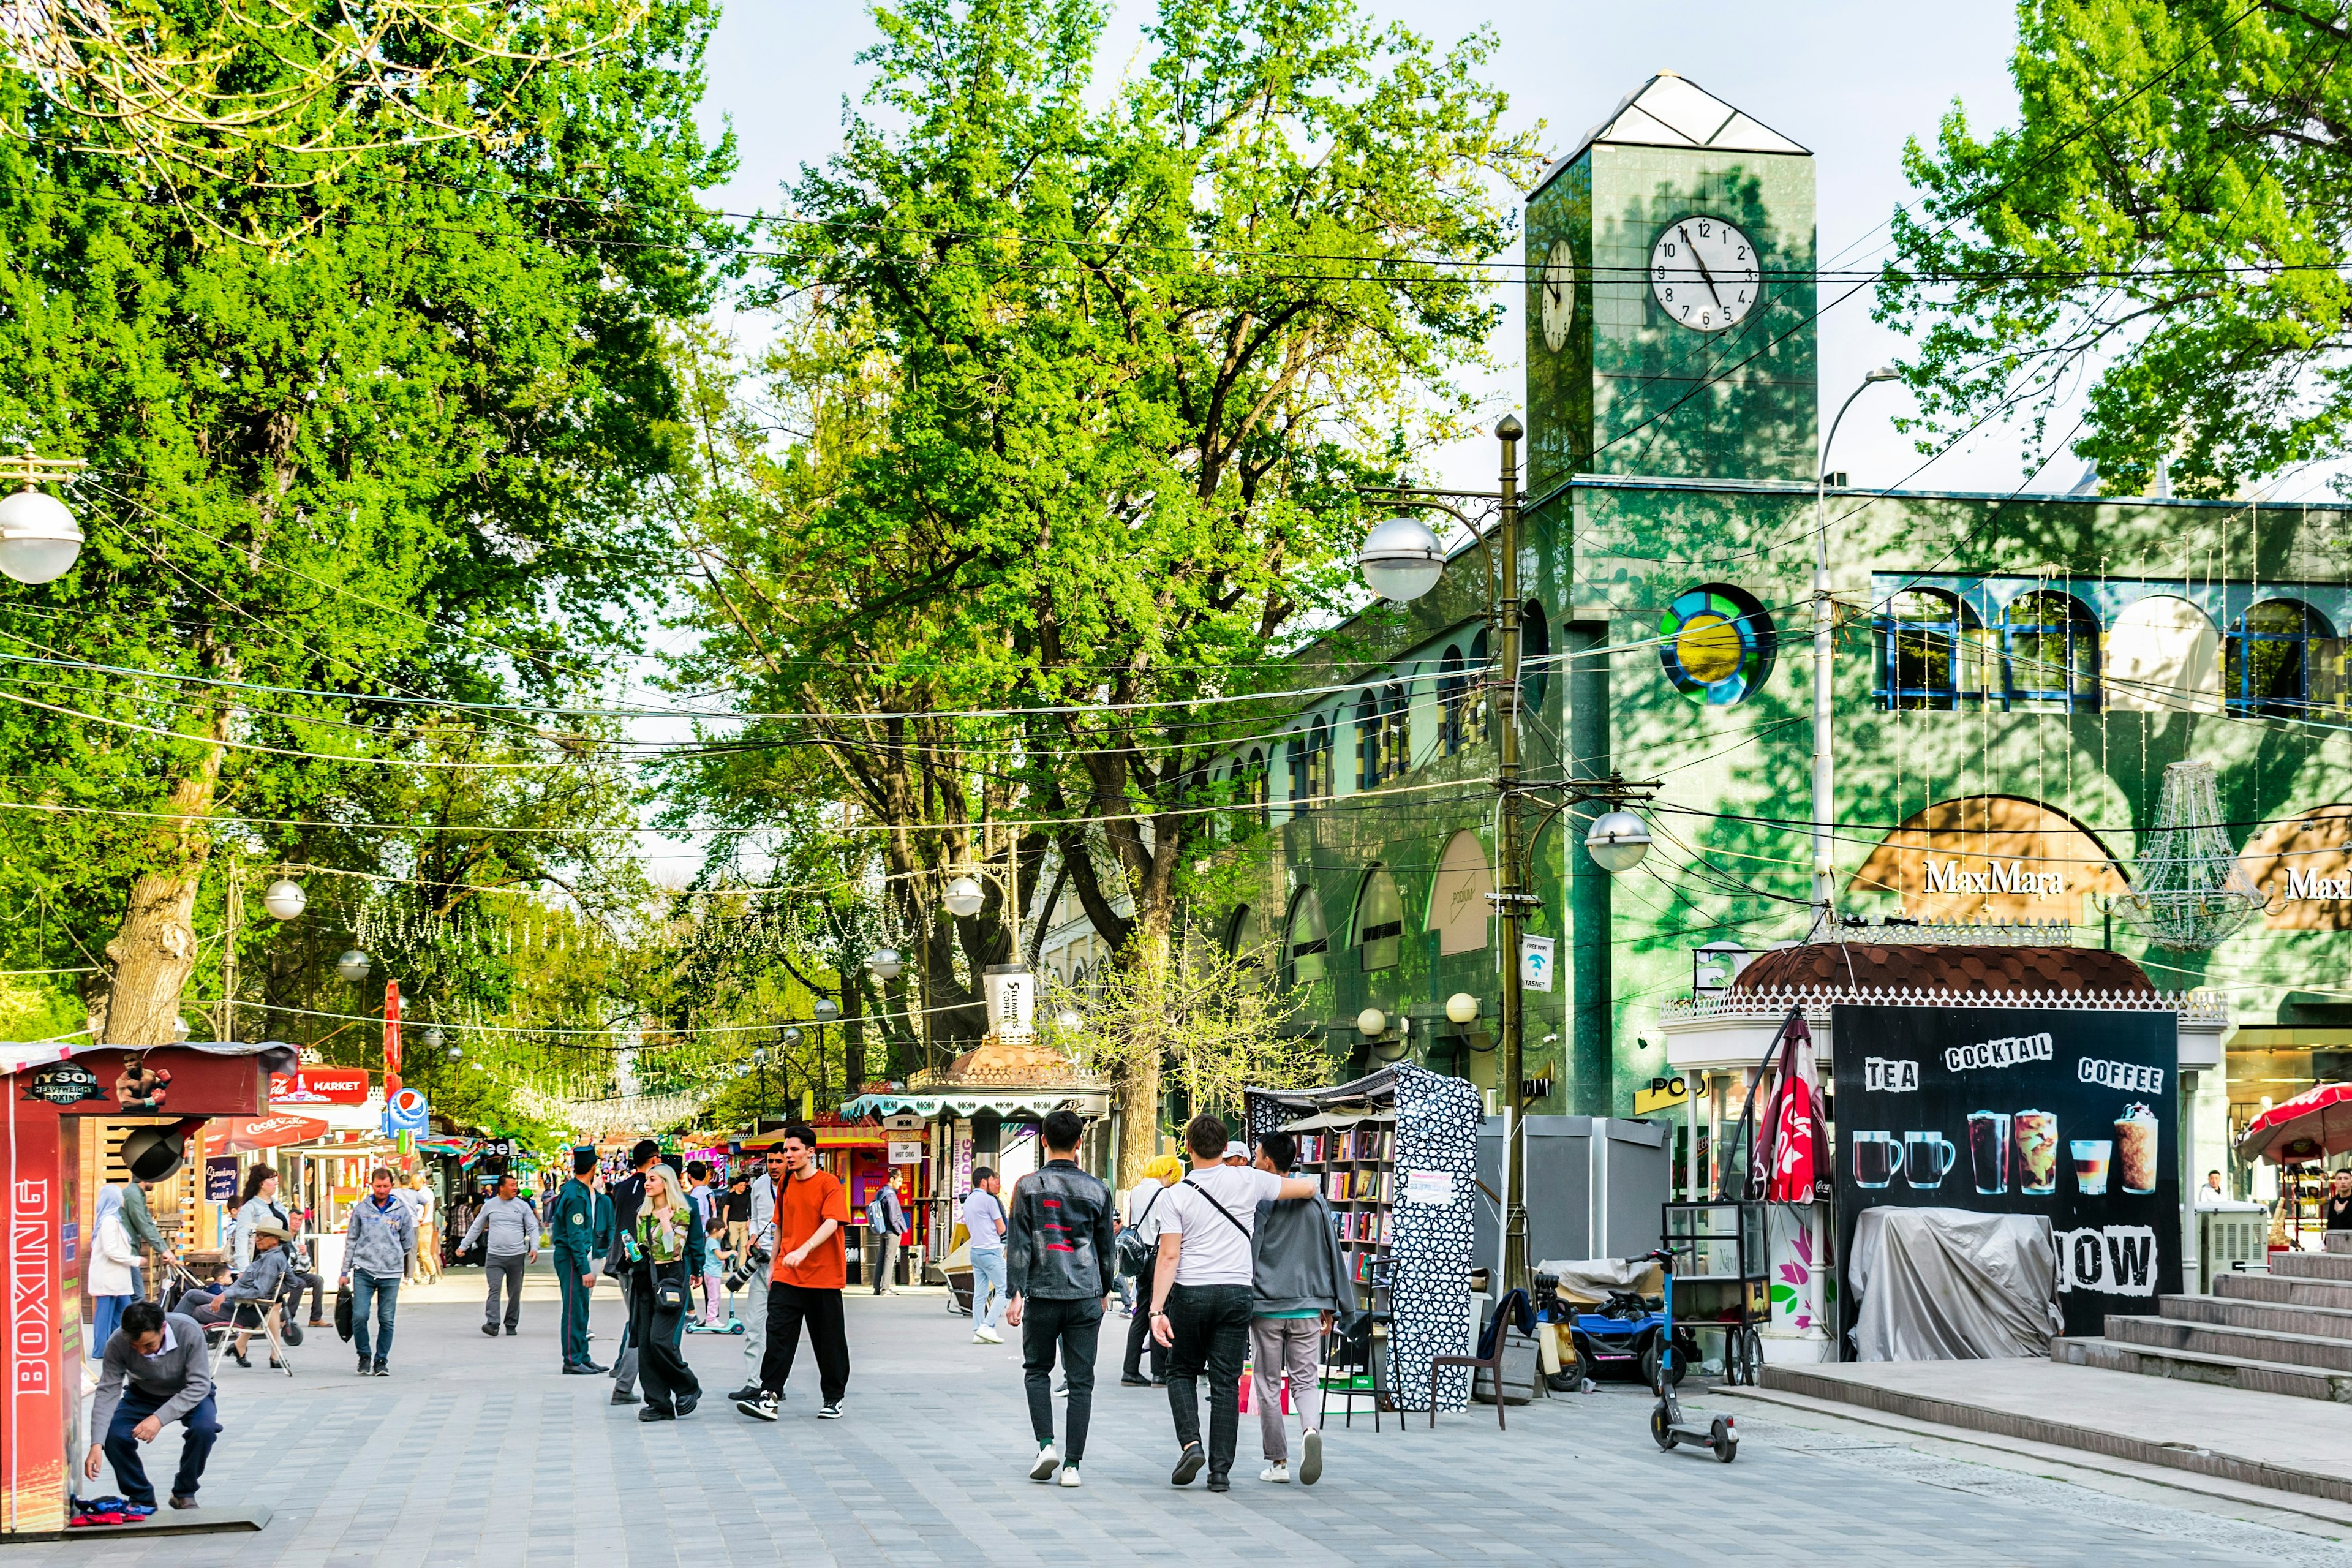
{"points": [[153, 952]]}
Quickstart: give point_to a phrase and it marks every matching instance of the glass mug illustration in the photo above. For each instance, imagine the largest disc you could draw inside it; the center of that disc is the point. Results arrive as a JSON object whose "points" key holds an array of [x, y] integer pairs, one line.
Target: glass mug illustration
{"points": [[2091, 1165], [2135, 1148], [1927, 1156], [1876, 1157], [2036, 1136], [1989, 1150]]}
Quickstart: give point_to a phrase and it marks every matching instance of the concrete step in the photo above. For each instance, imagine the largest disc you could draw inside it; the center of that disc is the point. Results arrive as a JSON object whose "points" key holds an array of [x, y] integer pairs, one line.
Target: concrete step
{"points": [[2312, 1265], [2199, 1367], [2283, 1290], [2272, 1347], [2259, 1440], [2268, 1317], [2336, 1241]]}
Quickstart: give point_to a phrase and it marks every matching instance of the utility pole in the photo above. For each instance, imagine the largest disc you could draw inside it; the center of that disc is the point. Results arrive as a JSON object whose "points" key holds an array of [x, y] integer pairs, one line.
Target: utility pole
{"points": [[1512, 900]]}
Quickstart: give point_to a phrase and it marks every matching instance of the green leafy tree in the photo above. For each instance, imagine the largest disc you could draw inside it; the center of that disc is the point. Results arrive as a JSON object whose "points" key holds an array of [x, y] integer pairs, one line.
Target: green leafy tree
{"points": [[1106, 379], [400, 459], [2162, 223]]}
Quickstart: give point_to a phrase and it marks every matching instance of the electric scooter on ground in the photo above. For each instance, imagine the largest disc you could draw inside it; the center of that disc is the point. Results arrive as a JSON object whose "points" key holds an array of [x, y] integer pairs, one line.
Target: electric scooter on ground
{"points": [[1667, 1423]]}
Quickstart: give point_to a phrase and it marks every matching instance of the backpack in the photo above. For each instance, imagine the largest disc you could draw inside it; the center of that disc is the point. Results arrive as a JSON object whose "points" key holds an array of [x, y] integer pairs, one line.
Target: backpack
{"points": [[1131, 1253]]}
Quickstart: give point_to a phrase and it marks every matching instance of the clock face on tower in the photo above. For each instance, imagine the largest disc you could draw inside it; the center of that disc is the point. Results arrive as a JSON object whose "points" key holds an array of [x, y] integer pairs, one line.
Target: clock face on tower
{"points": [[1704, 273], [1559, 295]]}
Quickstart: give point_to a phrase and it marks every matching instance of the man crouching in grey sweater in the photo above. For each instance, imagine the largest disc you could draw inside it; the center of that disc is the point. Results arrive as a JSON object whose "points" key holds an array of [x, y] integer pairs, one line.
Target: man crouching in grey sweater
{"points": [[1299, 1281], [155, 1371]]}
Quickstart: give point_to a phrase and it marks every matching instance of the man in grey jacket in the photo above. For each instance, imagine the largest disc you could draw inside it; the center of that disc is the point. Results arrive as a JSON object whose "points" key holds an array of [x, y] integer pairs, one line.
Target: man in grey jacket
{"points": [[377, 1247], [161, 1358], [508, 1227], [1299, 1278]]}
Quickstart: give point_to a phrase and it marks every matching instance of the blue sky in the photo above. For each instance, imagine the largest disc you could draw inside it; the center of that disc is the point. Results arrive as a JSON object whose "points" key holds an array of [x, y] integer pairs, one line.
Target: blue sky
{"points": [[1850, 81]]}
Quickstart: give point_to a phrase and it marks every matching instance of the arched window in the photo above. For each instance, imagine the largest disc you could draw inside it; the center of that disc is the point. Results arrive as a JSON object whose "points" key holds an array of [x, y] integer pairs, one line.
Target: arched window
{"points": [[2268, 660], [1931, 651], [1396, 732], [1380, 921], [1367, 741], [1453, 689], [1473, 702], [1307, 944], [1310, 760], [1242, 939], [1535, 649], [2050, 653], [1257, 782]]}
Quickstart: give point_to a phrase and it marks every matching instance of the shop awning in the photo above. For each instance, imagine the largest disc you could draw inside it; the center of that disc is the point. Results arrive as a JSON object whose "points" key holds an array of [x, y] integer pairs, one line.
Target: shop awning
{"points": [[965, 1103], [2315, 1123], [231, 1133]]}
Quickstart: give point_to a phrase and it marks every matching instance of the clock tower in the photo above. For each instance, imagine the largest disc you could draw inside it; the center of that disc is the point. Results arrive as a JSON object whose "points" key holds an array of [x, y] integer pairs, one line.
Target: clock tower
{"points": [[1670, 298]]}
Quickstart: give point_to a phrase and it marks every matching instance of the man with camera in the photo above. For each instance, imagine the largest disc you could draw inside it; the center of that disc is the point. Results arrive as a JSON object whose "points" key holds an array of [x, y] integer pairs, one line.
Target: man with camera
{"points": [[750, 1276]]}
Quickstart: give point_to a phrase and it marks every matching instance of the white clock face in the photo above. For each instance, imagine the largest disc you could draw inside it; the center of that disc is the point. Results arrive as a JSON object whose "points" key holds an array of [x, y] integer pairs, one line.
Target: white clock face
{"points": [[1704, 273], [1559, 292]]}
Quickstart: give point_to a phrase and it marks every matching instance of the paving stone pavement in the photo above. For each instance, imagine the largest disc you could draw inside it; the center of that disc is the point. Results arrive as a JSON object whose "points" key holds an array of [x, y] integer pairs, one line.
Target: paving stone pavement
{"points": [[476, 1450]]}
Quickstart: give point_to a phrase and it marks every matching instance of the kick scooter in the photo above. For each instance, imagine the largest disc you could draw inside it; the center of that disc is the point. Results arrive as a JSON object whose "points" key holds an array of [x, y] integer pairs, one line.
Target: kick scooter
{"points": [[1667, 1423]]}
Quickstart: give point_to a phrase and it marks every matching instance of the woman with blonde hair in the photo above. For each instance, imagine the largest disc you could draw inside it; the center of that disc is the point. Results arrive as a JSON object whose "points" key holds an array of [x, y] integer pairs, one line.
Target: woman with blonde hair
{"points": [[668, 1251], [1142, 1207]]}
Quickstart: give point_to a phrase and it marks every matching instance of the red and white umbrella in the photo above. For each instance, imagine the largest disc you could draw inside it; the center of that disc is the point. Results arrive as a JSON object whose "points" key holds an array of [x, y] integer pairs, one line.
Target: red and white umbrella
{"points": [[2316, 1122]]}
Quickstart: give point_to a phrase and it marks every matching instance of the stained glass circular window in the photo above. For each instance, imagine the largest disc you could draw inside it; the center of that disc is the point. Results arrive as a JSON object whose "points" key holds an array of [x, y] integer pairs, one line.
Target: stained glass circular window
{"points": [[1715, 643]]}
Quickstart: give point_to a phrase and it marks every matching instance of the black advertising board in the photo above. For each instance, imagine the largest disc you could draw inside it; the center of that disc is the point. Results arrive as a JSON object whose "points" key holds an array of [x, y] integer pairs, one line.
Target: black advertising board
{"points": [[2073, 1114]]}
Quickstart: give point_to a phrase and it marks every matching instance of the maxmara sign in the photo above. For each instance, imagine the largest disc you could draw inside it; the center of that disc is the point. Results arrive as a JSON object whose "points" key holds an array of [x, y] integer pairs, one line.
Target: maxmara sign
{"points": [[2016, 877]]}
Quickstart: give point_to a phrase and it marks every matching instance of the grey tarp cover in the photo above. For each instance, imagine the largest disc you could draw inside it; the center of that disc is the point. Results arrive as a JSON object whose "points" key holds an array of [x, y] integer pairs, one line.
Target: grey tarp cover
{"points": [[1590, 1279], [1949, 1285]]}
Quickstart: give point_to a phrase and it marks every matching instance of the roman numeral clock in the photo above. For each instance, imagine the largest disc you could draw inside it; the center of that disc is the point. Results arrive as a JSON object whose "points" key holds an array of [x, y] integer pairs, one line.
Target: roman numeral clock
{"points": [[1670, 298]]}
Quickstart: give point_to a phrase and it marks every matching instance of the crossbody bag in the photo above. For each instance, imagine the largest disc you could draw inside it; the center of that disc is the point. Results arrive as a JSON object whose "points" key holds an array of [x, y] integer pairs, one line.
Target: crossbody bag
{"points": [[1247, 1235]]}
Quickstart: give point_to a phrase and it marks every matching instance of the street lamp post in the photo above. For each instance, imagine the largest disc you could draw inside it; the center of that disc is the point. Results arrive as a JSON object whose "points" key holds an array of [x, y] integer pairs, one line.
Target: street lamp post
{"points": [[1824, 647], [1403, 559]]}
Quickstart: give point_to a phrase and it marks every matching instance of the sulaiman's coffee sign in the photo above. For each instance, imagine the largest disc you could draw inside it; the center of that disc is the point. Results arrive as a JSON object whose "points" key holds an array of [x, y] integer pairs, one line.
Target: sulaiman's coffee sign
{"points": [[2073, 1115]]}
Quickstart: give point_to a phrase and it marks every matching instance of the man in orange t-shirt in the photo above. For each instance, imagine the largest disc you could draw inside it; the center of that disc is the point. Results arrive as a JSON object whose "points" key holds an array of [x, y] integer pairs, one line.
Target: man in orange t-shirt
{"points": [[812, 1267]]}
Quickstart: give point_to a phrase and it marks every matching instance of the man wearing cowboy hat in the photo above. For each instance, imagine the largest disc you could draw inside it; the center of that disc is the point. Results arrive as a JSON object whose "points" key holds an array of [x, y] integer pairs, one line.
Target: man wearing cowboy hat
{"points": [[253, 1293]]}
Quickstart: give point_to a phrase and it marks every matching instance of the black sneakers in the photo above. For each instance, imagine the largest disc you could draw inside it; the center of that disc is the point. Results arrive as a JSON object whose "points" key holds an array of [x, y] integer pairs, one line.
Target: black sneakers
{"points": [[832, 1412], [1188, 1465], [762, 1408]]}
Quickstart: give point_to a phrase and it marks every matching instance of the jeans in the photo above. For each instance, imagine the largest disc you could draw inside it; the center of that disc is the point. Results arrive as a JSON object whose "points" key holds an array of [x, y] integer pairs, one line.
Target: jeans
{"points": [[1279, 1345], [504, 1269], [383, 1295], [1211, 1326], [203, 1429], [1138, 1332], [1074, 1327], [789, 1306], [987, 1287], [881, 1258], [105, 1318]]}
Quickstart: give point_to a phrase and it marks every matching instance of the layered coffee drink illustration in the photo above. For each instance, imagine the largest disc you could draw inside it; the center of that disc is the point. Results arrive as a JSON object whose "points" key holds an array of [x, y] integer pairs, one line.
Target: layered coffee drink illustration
{"points": [[2135, 1148], [2036, 1132]]}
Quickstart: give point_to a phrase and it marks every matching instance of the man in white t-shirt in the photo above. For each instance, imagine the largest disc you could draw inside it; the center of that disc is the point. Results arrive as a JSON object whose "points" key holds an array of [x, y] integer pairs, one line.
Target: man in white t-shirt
{"points": [[983, 1218], [1201, 1297]]}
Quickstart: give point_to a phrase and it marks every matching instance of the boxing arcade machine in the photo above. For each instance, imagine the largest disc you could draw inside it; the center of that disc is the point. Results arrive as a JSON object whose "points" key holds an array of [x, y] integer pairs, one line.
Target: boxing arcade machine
{"points": [[51, 1097]]}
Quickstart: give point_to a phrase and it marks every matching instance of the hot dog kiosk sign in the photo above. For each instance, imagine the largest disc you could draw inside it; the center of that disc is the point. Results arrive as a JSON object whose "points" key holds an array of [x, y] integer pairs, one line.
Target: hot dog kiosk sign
{"points": [[2074, 1115]]}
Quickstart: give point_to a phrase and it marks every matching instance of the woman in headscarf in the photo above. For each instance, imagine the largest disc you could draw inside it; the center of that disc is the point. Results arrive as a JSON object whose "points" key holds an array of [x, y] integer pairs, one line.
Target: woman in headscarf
{"points": [[113, 1271], [670, 1254], [1143, 1217]]}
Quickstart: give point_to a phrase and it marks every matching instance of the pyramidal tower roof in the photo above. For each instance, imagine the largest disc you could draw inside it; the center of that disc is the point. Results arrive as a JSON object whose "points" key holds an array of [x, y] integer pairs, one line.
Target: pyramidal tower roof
{"points": [[1668, 111]]}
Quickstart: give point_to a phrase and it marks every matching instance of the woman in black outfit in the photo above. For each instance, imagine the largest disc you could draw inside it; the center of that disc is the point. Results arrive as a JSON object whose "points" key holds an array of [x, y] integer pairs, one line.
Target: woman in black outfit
{"points": [[669, 1250]]}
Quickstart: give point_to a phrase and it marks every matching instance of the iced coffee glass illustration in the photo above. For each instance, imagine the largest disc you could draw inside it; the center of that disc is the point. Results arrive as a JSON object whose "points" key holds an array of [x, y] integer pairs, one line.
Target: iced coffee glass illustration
{"points": [[1876, 1158], [2135, 1148], [2091, 1165], [1927, 1156], [2036, 1136], [1989, 1150]]}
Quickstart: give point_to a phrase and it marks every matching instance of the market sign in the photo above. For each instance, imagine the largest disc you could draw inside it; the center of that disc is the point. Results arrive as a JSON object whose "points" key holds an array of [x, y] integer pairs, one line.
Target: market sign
{"points": [[2071, 1114], [2305, 869], [320, 1086], [1990, 856]]}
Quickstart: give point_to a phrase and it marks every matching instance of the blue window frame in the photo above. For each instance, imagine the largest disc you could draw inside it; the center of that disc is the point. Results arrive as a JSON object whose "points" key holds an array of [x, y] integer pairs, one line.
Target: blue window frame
{"points": [[2271, 658], [1931, 652], [2048, 654]]}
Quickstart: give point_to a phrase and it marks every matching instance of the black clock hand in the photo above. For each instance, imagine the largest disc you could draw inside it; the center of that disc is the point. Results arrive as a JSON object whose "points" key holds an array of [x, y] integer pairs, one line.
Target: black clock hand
{"points": [[1704, 276]]}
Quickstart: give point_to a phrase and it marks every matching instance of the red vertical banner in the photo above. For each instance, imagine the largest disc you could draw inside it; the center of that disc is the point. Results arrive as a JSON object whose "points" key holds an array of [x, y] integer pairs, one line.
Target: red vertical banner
{"points": [[390, 1039], [36, 1377]]}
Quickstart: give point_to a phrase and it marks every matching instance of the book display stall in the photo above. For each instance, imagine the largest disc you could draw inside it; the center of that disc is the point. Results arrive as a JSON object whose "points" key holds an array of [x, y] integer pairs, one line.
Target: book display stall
{"points": [[1396, 1152]]}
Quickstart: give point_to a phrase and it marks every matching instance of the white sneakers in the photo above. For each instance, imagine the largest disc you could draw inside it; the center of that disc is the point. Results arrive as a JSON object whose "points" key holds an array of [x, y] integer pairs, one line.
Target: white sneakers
{"points": [[1046, 1465], [1070, 1475], [1278, 1474], [1310, 1466], [986, 1336]]}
